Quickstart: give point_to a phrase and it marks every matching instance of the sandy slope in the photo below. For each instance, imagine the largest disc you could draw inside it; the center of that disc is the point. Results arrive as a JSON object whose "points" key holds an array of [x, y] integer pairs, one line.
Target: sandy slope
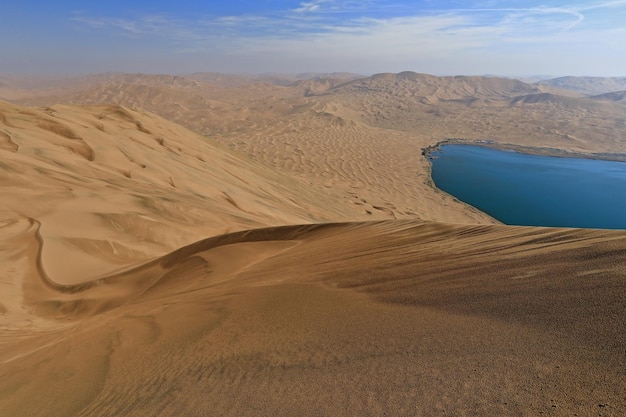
{"points": [[118, 176], [399, 318], [138, 274]]}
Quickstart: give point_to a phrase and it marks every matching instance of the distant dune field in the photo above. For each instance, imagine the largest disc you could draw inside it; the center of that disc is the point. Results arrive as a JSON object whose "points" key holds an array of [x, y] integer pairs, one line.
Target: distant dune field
{"points": [[223, 245]]}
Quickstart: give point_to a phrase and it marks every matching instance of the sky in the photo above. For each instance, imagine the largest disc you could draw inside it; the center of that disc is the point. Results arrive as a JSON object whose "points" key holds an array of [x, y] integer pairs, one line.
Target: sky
{"points": [[512, 38]]}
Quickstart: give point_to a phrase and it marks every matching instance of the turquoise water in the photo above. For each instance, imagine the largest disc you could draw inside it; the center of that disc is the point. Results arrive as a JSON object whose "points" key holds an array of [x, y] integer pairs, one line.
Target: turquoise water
{"points": [[522, 189]]}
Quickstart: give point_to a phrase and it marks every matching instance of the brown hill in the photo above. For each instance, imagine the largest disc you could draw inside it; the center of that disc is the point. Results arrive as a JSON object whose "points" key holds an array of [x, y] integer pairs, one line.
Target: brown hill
{"points": [[619, 96], [463, 89], [588, 85], [538, 98], [562, 102]]}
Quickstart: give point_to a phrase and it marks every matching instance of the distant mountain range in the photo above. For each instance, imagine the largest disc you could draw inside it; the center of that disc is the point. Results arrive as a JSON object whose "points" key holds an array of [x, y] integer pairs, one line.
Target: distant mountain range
{"points": [[223, 106], [591, 86]]}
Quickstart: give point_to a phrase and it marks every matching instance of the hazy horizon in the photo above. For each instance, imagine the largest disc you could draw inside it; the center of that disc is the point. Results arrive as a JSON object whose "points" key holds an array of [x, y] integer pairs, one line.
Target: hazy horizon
{"points": [[507, 38], [261, 75]]}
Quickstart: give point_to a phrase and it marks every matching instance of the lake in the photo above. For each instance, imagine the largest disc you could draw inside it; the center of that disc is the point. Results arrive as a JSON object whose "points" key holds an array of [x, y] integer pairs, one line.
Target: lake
{"points": [[523, 189]]}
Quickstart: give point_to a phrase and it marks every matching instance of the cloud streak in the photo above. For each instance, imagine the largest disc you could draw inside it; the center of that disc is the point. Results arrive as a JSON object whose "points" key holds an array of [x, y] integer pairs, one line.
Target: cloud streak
{"points": [[370, 36], [542, 21], [310, 6]]}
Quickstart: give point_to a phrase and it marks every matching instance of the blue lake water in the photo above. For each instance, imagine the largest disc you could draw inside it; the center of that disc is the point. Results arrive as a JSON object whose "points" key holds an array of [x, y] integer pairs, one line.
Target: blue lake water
{"points": [[522, 189]]}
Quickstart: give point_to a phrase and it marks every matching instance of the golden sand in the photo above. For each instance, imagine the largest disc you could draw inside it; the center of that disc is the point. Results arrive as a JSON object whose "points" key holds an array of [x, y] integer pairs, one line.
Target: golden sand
{"points": [[298, 261]]}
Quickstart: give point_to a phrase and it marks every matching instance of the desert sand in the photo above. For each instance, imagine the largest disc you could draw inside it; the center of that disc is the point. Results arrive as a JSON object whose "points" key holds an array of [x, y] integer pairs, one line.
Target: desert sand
{"points": [[205, 246]]}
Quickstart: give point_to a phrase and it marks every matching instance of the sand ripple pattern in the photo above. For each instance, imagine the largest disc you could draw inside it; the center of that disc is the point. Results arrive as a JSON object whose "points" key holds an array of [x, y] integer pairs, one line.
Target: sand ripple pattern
{"points": [[413, 318]]}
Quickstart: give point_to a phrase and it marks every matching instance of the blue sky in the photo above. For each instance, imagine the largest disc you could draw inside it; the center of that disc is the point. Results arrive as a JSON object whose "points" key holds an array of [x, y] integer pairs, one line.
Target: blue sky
{"points": [[439, 37]]}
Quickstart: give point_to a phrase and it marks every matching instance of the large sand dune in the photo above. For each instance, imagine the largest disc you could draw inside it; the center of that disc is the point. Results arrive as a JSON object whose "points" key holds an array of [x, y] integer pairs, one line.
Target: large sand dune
{"points": [[399, 318], [299, 261]]}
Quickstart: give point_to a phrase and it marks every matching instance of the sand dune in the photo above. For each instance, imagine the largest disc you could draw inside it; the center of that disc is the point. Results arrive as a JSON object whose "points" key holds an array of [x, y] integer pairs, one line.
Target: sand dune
{"points": [[426, 107], [403, 318], [298, 260], [111, 186]]}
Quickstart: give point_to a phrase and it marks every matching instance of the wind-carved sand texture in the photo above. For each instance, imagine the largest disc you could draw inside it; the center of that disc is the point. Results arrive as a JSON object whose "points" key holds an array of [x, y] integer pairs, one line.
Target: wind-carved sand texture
{"points": [[296, 260]]}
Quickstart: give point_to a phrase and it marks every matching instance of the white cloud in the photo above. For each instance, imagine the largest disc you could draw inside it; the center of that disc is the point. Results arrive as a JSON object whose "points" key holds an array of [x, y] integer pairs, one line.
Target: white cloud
{"points": [[328, 33], [310, 6]]}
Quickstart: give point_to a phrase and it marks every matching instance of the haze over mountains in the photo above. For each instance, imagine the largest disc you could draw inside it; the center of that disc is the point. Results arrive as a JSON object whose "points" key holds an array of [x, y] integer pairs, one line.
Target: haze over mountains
{"points": [[589, 85], [238, 245]]}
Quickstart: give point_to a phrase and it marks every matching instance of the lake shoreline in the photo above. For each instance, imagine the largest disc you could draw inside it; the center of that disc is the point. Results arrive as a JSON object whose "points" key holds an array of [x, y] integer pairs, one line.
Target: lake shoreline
{"points": [[529, 150], [527, 189]]}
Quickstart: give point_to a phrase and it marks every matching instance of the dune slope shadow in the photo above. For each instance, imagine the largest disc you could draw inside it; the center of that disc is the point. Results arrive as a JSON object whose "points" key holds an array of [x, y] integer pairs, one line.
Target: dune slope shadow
{"points": [[206, 259], [390, 317]]}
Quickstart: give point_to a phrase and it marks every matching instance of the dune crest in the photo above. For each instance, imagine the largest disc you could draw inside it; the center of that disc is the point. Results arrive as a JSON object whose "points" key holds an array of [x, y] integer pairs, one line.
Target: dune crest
{"points": [[227, 323], [111, 186]]}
